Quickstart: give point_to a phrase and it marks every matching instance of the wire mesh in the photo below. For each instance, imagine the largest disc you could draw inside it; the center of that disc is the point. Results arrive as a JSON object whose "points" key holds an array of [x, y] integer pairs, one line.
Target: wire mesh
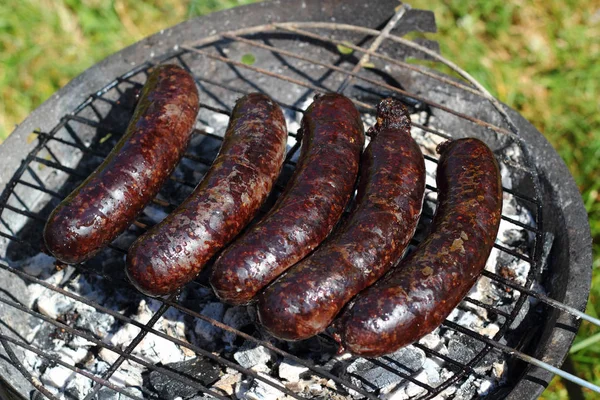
{"points": [[210, 54]]}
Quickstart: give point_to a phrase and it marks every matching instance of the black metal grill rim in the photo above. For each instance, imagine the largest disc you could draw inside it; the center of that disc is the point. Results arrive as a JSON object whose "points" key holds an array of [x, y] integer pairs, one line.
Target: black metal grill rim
{"points": [[46, 137]]}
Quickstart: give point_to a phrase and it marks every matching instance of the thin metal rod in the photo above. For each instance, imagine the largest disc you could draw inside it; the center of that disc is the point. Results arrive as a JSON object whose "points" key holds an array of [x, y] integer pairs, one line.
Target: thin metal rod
{"points": [[358, 29], [359, 103], [522, 356], [122, 357], [177, 341], [256, 69], [270, 346], [374, 46], [177, 306], [542, 297], [100, 381], [114, 349], [17, 364]]}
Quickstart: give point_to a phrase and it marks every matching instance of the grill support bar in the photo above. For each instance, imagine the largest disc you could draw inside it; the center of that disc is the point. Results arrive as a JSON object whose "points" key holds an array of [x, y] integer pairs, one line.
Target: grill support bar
{"points": [[374, 46]]}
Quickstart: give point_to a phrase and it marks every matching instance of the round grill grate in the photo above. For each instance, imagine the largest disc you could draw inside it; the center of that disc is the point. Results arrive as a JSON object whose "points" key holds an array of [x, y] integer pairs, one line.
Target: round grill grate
{"points": [[289, 62]]}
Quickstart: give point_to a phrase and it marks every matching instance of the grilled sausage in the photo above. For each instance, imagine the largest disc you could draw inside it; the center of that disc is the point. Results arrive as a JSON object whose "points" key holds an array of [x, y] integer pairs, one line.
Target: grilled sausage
{"points": [[108, 201], [416, 296], [307, 211], [305, 300], [173, 252]]}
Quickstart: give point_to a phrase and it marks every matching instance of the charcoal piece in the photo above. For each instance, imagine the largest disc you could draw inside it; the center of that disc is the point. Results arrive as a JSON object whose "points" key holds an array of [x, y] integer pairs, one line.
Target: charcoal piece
{"points": [[375, 378], [385, 371], [464, 348], [261, 390], [290, 370], [207, 333], [56, 376], [467, 390], [98, 323], [108, 394], [226, 384], [198, 369], [407, 359], [237, 318], [54, 304], [78, 387], [252, 355], [43, 338]]}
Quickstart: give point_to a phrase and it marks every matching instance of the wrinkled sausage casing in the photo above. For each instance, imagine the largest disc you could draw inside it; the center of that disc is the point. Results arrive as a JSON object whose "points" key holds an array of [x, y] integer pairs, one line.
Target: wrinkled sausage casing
{"points": [[108, 201], [415, 297], [173, 252], [306, 211], [305, 300]]}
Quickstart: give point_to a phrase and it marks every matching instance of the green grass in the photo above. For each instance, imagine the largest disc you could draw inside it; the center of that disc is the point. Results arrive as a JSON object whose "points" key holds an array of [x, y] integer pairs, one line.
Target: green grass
{"points": [[45, 43], [540, 57]]}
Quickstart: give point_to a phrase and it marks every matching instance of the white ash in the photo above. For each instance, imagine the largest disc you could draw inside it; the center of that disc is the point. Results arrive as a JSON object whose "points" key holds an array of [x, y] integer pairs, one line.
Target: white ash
{"points": [[217, 123], [253, 356], [78, 388], [128, 375], [290, 370], [259, 390], [153, 348], [293, 121], [56, 376], [40, 264], [75, 350], [293, 118], [53, 304], [228, 382]]}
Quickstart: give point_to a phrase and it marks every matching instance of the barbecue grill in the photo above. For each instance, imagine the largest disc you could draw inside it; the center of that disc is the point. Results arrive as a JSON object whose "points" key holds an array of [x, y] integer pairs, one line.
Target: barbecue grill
{"points": [[289, 51]]}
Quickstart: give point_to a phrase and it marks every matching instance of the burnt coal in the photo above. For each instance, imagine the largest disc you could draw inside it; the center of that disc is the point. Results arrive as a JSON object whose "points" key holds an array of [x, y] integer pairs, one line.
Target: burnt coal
{"points": [[251, 356], [385, 371], [467, 390], [237, 318], [97, 323], [109, 394], [206, 333], [464, 348], [198, 369]]}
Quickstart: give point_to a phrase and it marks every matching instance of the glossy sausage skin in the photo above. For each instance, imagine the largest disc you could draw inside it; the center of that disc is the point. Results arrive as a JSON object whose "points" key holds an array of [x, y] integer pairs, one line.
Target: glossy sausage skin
{"points": [[305, 300], [108, 201], [417, 295], [173, 252], [307, 211]]}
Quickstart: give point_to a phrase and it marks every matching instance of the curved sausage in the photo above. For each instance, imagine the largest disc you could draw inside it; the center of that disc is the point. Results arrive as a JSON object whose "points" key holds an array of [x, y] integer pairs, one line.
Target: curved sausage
{"points": [[307, 211], [416, 296], [173, 252], [108, 201], [305, 300]]}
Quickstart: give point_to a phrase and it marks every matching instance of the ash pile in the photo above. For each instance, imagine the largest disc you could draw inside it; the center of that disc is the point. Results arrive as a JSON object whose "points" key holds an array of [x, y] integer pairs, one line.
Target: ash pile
{"points": [[238, 367]]}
